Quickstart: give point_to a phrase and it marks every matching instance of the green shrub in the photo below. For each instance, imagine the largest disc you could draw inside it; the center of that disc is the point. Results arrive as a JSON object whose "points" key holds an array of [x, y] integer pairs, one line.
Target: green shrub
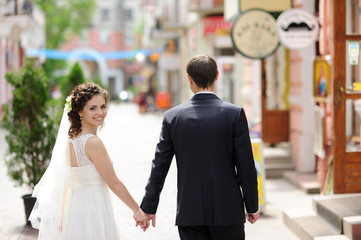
{"points": [[31, 127], [74, 78]]}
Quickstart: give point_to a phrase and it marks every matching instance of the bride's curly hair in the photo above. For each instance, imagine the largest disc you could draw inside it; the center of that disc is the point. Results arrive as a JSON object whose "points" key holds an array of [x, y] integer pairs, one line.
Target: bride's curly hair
{"points": [[80, 95]]}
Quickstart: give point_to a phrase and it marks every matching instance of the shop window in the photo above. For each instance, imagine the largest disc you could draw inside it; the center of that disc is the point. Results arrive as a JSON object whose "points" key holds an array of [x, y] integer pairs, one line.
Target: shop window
{"points": [[9, 60], [353, 106], [128, 15], [104, 37], [353, 16], [353, 122], [104, 14]]}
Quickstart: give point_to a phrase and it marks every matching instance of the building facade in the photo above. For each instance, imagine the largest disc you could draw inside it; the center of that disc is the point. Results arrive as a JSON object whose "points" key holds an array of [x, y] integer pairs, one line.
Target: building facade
{"points": [[104, 35], [22, 26], [281, 93]]}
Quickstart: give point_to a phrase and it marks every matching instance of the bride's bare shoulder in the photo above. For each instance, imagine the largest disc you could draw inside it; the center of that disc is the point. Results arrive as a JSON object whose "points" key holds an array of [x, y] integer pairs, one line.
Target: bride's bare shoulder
{"points": [[94, 143]]}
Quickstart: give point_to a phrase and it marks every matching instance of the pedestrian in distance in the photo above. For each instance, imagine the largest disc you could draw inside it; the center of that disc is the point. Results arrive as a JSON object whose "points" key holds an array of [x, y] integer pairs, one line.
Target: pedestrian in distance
{"points": [[73, 200], [217, 178]]}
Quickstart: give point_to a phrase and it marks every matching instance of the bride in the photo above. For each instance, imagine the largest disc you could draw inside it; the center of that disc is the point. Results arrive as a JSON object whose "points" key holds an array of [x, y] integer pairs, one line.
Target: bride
{"points": [[73, 200]]}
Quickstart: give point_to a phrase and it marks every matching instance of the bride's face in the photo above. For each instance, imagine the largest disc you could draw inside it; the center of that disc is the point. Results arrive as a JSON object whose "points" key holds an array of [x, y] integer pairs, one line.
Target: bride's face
{"points": [[94, 112]]}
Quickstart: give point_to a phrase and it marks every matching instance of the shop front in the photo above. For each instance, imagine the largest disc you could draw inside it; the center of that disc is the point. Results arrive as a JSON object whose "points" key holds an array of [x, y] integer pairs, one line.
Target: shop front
{"points": [[346, 96]]}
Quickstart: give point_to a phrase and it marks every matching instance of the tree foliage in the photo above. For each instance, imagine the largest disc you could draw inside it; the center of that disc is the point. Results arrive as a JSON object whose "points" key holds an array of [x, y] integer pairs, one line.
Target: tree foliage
{"points": [[74, 78], [31, 129], [63, 18]]}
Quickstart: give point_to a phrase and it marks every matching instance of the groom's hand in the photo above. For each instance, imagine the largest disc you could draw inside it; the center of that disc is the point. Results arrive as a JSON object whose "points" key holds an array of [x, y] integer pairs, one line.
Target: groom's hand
{"points": [[144, 225], [253, 217], [151, 217]]}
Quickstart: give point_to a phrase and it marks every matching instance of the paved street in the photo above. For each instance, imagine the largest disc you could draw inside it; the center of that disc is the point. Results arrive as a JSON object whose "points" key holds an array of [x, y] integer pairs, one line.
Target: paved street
{"points": [[130, 139], [12, 217]]}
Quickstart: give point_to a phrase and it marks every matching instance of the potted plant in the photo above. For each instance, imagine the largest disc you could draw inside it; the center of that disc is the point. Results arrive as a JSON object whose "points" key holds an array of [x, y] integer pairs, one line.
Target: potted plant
{"points": [[31, 129]]}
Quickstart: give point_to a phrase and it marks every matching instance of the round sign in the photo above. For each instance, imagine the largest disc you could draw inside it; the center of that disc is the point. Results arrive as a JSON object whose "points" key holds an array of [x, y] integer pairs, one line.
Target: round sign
{"points": [[297, 28], [254, 34]]}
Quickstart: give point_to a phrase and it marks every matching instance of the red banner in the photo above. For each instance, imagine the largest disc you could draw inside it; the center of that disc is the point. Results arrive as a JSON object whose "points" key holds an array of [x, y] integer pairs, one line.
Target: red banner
{"points": [[215, 25]]}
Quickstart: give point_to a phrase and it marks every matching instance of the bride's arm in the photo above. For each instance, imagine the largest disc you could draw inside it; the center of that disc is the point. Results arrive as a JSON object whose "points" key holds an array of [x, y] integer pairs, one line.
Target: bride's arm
{"points": [[97, 153]]}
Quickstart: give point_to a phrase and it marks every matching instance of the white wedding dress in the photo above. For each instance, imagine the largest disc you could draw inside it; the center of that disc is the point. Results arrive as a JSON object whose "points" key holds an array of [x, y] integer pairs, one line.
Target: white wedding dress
{"points": [[88, 212]]}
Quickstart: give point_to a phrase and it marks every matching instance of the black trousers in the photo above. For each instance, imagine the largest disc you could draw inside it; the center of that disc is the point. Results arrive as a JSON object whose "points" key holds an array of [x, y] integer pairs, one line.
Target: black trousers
{"points": [[206, 232]]}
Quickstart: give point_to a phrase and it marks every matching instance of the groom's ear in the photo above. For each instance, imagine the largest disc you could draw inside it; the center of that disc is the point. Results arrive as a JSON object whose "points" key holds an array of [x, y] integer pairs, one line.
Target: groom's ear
{"points": [[216, 78], [190, 79]]}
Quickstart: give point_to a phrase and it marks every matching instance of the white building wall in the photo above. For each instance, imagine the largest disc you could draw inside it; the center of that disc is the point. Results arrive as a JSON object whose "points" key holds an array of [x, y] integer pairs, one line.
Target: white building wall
{"points": [[305, 161], [307, 157]]}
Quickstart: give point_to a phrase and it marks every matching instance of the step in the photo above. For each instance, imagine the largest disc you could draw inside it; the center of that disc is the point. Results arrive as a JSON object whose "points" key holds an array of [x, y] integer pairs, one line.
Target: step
{"points": [[333, 237], [305, 181], [352, 227], [276, 170], [285, 165], [334, 217], [275, 155], [271, 160], [336, 207], [307, 225], [277, 160]]}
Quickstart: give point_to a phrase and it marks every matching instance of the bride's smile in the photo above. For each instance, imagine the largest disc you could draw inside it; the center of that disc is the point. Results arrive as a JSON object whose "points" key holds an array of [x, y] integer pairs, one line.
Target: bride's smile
{"points": [[94, 112]]}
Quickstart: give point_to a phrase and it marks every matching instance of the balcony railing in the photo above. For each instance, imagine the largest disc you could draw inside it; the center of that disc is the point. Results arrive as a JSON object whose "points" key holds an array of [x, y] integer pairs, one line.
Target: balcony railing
{"points": [[15, 7], [173, 16]]}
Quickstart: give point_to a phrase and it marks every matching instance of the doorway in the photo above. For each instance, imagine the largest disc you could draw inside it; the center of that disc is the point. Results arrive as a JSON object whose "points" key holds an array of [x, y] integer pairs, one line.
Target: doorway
{"points": [[275, 90], [347, 96]]}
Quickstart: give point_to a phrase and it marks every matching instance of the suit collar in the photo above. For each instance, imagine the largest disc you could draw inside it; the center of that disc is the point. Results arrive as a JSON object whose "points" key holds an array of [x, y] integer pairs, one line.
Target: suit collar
{"points": [[204, 96]]}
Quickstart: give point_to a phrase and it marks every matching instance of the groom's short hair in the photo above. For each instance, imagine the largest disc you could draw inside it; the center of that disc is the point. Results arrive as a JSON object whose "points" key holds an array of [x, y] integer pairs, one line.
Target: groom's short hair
{"points": [[203, 70]]}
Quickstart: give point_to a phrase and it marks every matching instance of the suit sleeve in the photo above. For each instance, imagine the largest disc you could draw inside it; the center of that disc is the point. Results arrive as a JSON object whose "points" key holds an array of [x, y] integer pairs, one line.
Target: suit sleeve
{"points": [[160, 165], [245, 165]]}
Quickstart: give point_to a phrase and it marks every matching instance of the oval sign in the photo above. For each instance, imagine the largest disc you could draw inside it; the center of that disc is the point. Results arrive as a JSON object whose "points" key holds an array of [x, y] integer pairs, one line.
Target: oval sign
{"points": [[254, 34], [297, 28]]}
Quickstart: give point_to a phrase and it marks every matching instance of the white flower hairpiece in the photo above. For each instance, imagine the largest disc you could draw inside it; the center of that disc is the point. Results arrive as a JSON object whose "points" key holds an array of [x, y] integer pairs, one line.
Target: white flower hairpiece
{"points": [[68, 106]]}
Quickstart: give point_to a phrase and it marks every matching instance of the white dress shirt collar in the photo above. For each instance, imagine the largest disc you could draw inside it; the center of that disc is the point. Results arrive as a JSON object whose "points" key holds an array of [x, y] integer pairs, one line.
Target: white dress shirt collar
{"points": [[203, 92]]}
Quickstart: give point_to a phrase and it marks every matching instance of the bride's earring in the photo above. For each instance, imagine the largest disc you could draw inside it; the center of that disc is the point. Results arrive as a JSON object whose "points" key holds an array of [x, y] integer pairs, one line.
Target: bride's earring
{"points": [[80, 118]]}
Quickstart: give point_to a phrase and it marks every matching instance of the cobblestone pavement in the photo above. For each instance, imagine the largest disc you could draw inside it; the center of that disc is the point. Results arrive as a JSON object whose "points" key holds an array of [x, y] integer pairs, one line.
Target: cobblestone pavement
{"points": [[130, 139]]}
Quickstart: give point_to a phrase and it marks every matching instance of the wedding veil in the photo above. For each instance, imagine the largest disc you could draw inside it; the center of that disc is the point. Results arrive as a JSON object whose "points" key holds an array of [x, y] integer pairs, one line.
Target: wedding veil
{"points": [[52, 187]]}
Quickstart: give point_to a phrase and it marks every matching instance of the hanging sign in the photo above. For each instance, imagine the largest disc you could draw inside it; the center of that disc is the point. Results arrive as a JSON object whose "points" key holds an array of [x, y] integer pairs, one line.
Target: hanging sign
{"points": [[353, 52], [297, 28], [215, 25], [269, 6], [254, 34]]}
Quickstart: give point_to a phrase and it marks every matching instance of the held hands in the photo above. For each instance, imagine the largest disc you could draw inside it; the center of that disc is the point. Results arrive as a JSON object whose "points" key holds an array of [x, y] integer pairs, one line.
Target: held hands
{"points": [[252, 217], [151, 217], [141, 219]]}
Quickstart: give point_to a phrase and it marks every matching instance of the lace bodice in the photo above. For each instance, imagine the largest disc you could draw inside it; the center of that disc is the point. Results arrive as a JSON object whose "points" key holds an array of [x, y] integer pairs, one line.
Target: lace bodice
{"points": [[79, 148]]}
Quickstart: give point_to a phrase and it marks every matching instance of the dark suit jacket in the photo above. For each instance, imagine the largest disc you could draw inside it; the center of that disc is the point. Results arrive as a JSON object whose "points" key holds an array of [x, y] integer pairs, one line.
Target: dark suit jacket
{"points": [[211, 143]]}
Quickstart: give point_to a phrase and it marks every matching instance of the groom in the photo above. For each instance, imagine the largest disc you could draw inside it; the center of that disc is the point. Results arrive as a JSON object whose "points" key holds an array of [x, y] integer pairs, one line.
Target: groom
{"points": [[210, 140]]}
